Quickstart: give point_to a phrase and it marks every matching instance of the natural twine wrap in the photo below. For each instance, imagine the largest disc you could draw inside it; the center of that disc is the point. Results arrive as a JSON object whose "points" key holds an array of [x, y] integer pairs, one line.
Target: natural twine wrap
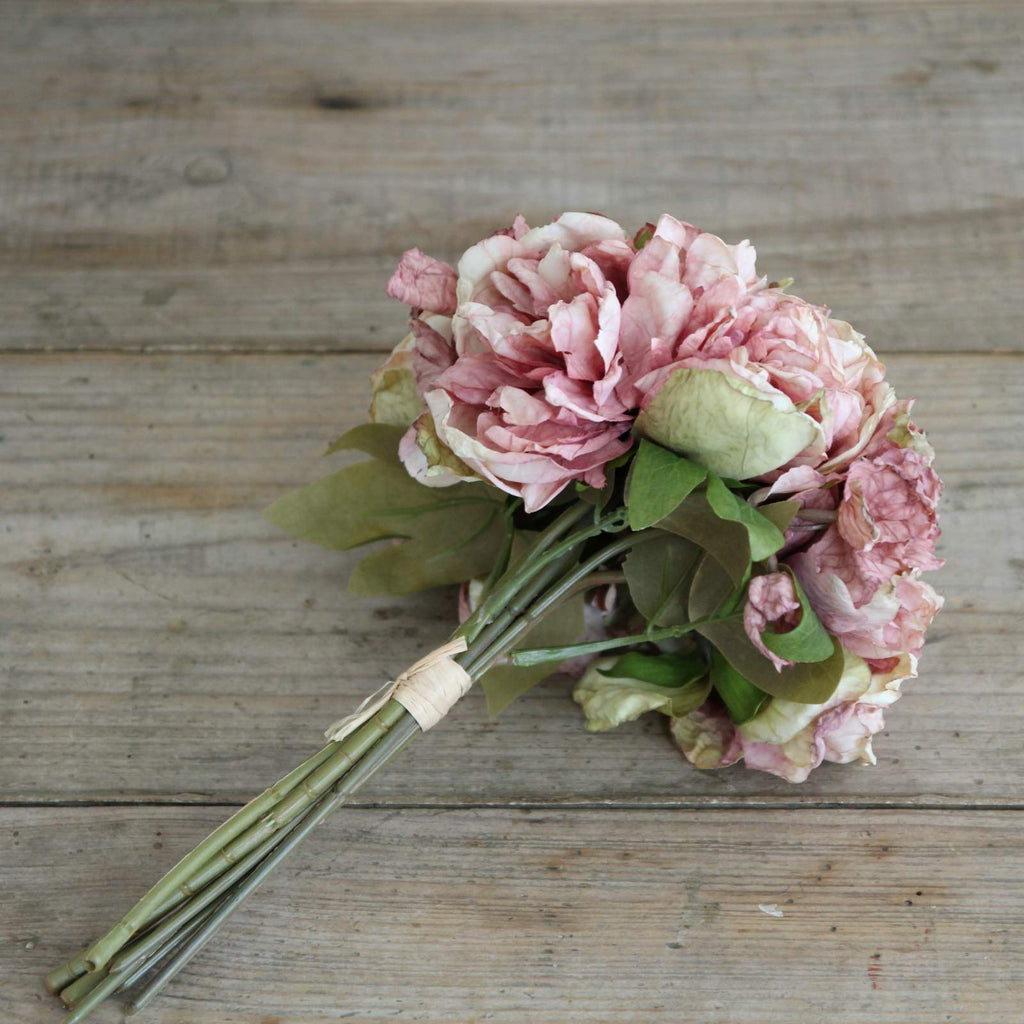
{"points": [[428, 690]]}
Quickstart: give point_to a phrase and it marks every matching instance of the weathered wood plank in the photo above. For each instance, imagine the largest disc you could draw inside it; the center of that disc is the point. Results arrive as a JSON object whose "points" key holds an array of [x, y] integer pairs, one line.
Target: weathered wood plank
{"points": [[513, 916], [162, 642], [187, 174]]}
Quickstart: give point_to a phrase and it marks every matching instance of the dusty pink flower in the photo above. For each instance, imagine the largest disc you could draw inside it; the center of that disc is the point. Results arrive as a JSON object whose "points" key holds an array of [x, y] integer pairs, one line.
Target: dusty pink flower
{"points": [[871, 619], [888, 514], [772, 602], [862, 574], [780, 345], [521, 384], [679, 284], [845, 732], [789, 739], [423, 283]]}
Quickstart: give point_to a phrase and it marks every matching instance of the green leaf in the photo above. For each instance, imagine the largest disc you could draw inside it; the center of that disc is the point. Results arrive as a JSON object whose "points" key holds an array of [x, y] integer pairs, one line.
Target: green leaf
{"points": [[710, 589], [608, 701], [725, 423], [809, 641], [727, 542], [781, 513], [741, 697], [377, 439], [802, 683], [502, 684], [764, 536], [442, 535], [658, 481], [656, 573], [660, 669]]}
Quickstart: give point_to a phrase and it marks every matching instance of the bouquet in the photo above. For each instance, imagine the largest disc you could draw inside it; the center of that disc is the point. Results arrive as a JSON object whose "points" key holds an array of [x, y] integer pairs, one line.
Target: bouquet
{"points": [[642, 464]]}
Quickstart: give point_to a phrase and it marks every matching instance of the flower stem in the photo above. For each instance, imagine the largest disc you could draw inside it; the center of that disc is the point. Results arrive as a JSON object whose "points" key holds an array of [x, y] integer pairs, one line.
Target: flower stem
{"points": [[551, 551], [142, 950], [380, 755], [240, 833], [557, 593], [186, 907], [108, 983], [539, 655]]}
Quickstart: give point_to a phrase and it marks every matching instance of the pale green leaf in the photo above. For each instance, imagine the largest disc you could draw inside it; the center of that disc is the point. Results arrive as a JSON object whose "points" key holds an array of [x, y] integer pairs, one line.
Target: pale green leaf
{"points": [[395, 399], [658, 481], [502, 684], [377, 439], [608, 701], [764, 536], [725, 423], [440, 535]]}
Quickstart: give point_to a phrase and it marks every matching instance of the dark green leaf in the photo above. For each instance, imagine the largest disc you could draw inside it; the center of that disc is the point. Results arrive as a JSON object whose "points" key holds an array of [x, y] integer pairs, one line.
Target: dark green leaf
{"points": [[658, 481], [804, 684], [741, 697], [781, 513], [809, 641], [377, 439], [661, 669], [725, 541], [656, 573], [710, 589], [764, 536], [442, 535]]}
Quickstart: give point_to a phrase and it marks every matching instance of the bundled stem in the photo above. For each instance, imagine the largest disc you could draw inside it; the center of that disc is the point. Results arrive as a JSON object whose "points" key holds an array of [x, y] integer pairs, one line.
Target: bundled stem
{"points": [[183, 911]]}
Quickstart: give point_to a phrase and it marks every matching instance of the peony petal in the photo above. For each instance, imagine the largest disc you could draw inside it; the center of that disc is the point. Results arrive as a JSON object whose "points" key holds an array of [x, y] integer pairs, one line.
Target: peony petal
{"points": [[574, 231]]}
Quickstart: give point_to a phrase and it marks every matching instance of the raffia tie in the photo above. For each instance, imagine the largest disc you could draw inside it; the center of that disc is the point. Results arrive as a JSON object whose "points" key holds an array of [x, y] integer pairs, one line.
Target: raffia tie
{"points": [[428, 690]]}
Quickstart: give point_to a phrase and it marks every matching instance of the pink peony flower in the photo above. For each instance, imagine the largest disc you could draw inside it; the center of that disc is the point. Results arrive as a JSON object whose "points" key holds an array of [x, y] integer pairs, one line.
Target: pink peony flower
{"points": [[784, 348], [680, 283], [887, 515], [862, 574], [521, 384], [845, 732], [891, 623], [424, 283], [789, 739], [771, 602]]}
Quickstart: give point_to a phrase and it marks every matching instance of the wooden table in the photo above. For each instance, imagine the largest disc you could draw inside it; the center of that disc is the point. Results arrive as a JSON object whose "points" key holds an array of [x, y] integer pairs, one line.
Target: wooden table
{"points": [[201, 203]]}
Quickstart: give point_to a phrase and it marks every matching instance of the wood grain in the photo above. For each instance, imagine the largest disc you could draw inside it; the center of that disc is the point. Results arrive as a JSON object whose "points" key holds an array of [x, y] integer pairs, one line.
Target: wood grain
{"points": [[228, 186], [164, 643], [245, 175], [589, 916]]}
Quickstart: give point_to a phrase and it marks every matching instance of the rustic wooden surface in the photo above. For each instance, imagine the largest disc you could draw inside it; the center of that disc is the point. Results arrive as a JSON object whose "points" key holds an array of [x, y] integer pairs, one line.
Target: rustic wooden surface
{"points": [[511, 915], [199, 205]]}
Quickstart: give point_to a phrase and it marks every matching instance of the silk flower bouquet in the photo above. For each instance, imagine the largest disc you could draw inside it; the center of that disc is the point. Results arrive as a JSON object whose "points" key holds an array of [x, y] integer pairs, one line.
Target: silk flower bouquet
{"points": [[643, 464]]}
